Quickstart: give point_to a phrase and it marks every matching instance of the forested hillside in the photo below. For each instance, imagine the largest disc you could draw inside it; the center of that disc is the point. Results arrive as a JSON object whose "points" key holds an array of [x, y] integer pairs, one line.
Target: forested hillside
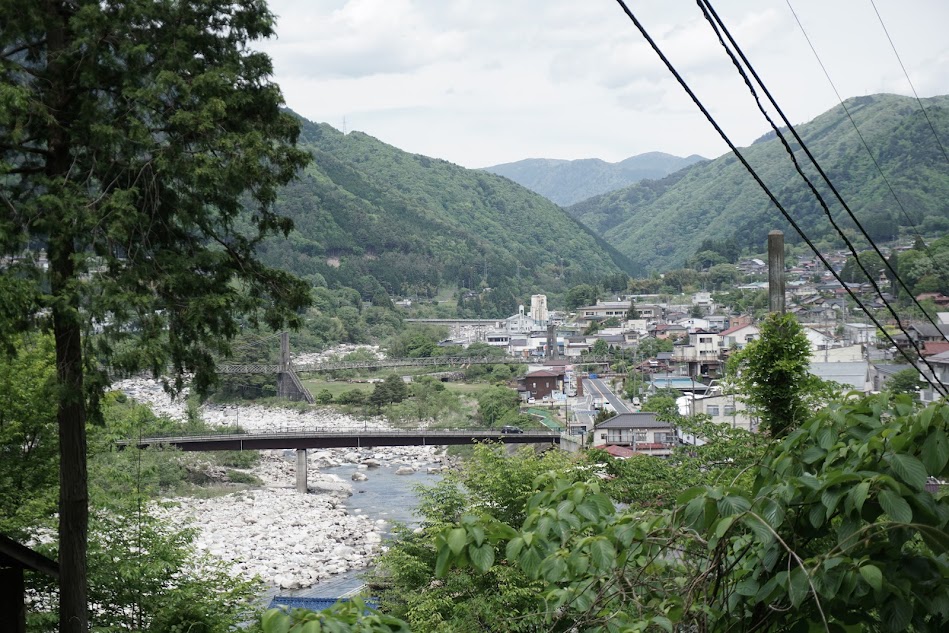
{"points": [[373, 217], [659, 224], [569, 181]]}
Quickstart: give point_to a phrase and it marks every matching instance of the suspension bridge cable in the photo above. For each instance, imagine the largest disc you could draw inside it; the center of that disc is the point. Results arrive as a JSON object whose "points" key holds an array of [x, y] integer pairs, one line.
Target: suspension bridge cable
{"points": [[639, 26], [863, 140], [715, 21]]}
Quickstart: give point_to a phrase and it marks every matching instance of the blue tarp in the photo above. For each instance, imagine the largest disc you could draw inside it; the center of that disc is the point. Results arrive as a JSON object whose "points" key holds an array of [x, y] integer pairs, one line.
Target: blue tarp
{"points": [[312, 604]]}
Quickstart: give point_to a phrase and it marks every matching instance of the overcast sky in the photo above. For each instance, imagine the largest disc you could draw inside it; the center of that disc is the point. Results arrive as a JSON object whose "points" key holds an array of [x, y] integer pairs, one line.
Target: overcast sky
{"points": [[482, 82]]}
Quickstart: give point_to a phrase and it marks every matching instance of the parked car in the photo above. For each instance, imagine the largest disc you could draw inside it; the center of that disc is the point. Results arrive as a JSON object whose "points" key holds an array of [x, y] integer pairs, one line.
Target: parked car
{"points": [[511, 429]]}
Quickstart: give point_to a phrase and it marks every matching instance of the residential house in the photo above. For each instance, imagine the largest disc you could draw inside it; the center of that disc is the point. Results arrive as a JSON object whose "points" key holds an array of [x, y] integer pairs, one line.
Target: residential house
{"points": [[701, 353], [694, 323], [851, 376], [717, 322], [667, 330], [702, 299], [603, 311], [541, 384], [649, 311], [725, 409], [642, 432], [738, 336], [864, 333], [846, 354], [881, 373], [939, 375]]}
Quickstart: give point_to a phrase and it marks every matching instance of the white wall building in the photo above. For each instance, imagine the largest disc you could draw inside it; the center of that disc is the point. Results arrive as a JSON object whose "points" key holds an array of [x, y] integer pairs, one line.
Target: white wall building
{"points": [[539, 309]]}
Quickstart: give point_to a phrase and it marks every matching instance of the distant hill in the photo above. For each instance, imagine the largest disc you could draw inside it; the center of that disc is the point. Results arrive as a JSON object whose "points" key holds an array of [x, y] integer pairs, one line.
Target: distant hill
{"points": [[658, 224], [370, 216], [568, 181]]}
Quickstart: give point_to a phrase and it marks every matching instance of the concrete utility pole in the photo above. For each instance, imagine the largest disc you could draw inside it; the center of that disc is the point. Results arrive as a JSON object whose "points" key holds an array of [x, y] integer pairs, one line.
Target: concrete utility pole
{"points": [[776, 271]]}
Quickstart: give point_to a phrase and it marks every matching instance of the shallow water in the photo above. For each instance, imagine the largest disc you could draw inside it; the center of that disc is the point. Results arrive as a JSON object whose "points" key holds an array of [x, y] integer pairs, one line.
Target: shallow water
{"points": [[384, 495]]}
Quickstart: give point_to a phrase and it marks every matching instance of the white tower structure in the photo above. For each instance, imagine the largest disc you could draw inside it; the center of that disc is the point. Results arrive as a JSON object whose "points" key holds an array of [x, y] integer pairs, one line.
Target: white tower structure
{"points": [[539, 308]]}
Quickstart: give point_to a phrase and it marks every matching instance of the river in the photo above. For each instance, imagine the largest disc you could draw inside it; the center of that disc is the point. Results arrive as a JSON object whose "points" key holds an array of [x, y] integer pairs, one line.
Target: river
{"points": [[385, 496]]}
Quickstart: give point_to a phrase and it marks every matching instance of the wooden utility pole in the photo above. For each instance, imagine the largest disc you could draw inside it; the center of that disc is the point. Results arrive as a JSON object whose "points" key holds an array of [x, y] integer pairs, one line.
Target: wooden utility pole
{"points": [[776, 272]]}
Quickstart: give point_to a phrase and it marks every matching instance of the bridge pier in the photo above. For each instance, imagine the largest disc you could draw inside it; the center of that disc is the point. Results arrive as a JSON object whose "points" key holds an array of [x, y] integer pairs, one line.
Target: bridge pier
{"points": [[301, 471]]}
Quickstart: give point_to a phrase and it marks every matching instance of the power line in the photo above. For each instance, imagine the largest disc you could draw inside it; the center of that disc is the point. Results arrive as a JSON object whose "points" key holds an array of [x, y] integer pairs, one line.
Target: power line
{"points": [[745, 163], [866, 146], [715, 21], [910, 81]]}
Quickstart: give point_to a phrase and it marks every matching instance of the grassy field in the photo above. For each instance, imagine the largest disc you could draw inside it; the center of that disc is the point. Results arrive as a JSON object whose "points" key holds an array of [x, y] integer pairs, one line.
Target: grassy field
{"points": [[336, 387]]}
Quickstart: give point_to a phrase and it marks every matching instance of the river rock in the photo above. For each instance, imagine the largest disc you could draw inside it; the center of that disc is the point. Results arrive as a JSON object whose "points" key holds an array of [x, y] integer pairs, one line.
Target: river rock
{"points": [[359, 477], [405, 470]]}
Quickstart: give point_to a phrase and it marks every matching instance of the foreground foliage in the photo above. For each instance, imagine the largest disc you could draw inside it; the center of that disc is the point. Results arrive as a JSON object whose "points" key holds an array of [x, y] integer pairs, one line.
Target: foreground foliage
{"points": [[838, 533], [835, 531]]}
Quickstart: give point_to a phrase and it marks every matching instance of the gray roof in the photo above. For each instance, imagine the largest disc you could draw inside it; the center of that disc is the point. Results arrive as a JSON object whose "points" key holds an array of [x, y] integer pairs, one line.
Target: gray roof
{"points": [[852, 374], [634, 421], [928, 330]]}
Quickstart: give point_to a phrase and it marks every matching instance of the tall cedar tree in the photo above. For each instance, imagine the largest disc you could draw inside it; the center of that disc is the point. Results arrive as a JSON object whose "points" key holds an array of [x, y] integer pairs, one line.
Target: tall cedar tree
{"points": [[141, 147]]}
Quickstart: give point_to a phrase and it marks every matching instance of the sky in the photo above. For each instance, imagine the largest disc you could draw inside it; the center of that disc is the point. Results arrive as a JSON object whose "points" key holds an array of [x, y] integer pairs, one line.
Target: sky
{"points": [[484, 82]]}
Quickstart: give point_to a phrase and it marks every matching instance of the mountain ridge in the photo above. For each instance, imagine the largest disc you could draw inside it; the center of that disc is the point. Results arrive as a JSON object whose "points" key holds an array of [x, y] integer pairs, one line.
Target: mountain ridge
{"points": [[566, 182], [370, 216], [659, 224]]}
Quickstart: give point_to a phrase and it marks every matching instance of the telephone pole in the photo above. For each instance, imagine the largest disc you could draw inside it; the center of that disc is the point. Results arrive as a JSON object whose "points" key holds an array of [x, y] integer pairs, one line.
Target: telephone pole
{"points": [[776, 272]]}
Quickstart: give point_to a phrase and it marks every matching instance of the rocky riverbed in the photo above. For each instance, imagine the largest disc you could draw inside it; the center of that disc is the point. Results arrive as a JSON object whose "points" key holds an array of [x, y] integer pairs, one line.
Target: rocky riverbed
{"points": [[288, 539]]}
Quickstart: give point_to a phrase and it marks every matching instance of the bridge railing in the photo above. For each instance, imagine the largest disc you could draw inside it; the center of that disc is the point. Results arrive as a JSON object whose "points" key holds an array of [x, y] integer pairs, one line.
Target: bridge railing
{"points": [[319, 432], [427, 361]]}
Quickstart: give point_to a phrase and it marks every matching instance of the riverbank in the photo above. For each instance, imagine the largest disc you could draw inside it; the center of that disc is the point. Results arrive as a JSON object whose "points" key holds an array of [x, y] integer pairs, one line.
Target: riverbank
{"points": [[288, 539]]}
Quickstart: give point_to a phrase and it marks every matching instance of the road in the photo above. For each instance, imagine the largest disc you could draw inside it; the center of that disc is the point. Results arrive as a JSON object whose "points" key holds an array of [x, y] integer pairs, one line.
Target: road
{"points": [[600, 392]]}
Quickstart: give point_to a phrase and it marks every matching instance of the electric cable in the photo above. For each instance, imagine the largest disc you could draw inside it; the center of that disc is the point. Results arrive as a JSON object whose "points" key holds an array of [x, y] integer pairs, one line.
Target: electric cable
{"points": [[910, 81], [715, 21], [866, 145], [752, 171]]}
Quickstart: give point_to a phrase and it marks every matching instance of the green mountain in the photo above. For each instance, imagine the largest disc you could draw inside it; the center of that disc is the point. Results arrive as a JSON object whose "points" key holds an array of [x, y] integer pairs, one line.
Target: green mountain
{"points": [[658, 224], [569, 181], [372, 217]]}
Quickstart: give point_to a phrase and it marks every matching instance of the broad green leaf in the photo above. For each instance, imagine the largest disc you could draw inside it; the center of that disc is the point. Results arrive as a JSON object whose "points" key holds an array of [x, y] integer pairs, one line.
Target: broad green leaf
{"points": [[441, 562], [313, 626], [723, 526], [935, 452], [482, 556], [896, 614], [910, 470], [602, 553], [830, 498], [514, 547], [747, 587], [772, 512], [813, 454], [275, 621], [733, 504], [689, 494], [763, 533], [663, 622], [457, 538], [530, 562], [895, 506], [860, 492], [873, 576], [798, 586], [553, 569]]}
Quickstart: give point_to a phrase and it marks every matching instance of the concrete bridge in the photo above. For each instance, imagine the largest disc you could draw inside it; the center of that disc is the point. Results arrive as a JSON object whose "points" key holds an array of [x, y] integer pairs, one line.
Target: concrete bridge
{"points": [[303, 440]]}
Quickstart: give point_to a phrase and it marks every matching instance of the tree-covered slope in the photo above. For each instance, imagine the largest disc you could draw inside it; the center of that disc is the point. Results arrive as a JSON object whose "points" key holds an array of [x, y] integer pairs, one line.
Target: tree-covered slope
{"points": [[658, 224], [569, 181], [368, 215]]}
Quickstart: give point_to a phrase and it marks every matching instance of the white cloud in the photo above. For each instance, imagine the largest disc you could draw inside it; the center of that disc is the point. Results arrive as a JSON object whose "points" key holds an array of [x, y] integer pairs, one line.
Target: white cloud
{"points": [[489, 81]]}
